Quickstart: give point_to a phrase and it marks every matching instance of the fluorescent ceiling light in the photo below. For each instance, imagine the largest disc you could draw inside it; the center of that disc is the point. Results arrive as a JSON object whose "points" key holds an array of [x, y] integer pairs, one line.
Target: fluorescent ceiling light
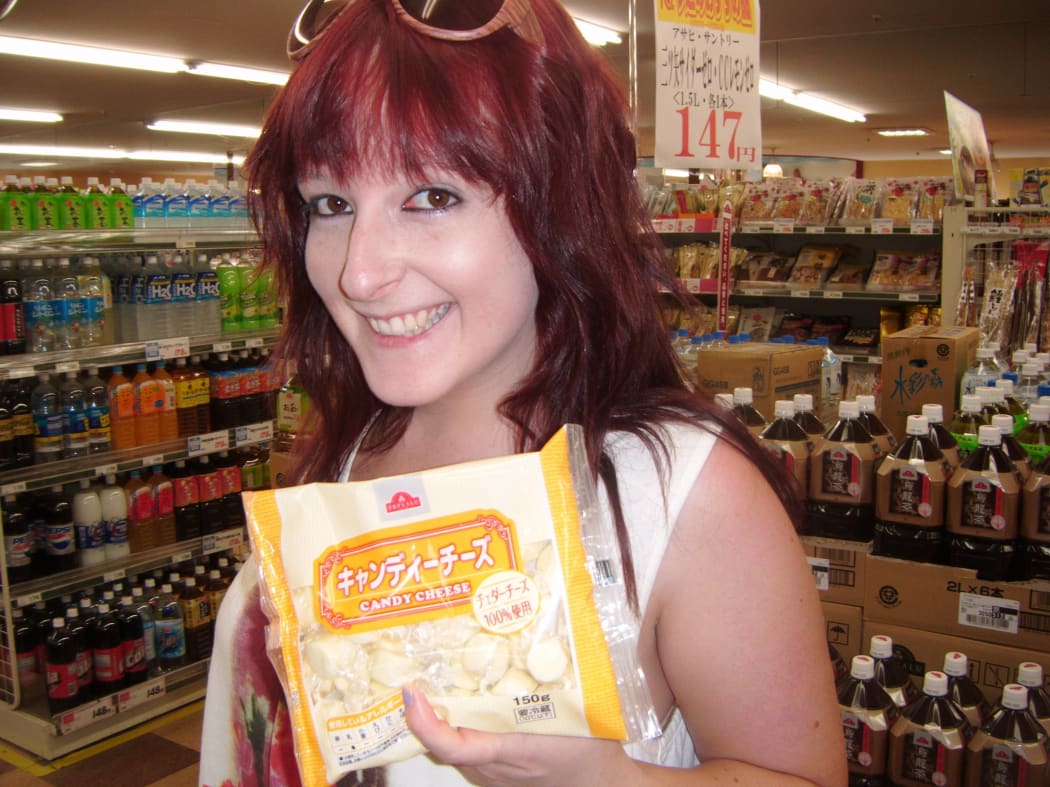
{"points": [[95, 56], [215, 129], [903, 132], [772, 170], [39, 164], [188, 157], [29, 115], [598, 35], [945, 152], [797, 98], [239, 73], [116, 153]]}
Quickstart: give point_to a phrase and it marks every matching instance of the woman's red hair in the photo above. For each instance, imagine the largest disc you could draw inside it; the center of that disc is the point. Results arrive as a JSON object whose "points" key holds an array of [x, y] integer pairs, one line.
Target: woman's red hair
{"points": [[547, 129]]}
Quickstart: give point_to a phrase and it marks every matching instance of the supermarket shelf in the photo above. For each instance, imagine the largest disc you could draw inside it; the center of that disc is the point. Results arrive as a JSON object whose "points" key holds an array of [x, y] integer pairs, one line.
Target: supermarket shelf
{"points": [[79, 242], [710, 287], [708, 225], [847, 357]]}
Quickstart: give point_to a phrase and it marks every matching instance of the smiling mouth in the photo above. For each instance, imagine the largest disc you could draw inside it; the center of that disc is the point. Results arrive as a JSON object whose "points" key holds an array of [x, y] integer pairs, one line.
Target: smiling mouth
{"points": [[408, 325]]}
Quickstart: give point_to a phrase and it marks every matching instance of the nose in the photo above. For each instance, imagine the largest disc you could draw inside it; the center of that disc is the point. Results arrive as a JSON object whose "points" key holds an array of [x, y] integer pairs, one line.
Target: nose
{"points": [[372, 261]]}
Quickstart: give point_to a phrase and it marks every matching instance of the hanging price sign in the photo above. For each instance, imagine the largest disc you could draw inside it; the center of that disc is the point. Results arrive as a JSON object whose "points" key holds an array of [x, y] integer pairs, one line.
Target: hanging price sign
{"points": [[724, 264], [708, 110]]}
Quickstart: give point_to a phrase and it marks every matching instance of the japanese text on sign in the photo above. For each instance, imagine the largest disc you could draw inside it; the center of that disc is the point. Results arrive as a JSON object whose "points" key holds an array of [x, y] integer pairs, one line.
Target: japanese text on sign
{"points": [[707, 100]]}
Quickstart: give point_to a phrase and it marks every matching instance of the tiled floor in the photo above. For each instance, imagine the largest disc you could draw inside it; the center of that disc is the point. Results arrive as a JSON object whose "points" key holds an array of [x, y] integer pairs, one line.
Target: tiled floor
{"points": [[161, 753]]}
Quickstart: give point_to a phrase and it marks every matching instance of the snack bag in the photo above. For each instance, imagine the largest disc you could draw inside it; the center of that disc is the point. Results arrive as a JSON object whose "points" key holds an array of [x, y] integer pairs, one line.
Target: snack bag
{"points": [[494, 586]]}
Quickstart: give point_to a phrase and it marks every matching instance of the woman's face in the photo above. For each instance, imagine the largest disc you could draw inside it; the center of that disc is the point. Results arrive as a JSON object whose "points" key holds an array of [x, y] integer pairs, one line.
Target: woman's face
{"points": [[427, 282]]}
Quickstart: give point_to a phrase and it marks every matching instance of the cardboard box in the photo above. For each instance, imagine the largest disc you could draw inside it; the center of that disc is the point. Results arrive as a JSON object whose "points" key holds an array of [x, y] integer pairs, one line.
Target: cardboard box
{"points": [[923, 365], [953, 601], [771, 371], [280, 464], [991, 666], [842, 565], [844, 627]]}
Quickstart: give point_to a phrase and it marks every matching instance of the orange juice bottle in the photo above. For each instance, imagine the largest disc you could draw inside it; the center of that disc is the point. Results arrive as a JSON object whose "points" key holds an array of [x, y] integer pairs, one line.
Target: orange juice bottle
{"points": [[141, 514], [169, 417], [149, 401], [121, 410]]}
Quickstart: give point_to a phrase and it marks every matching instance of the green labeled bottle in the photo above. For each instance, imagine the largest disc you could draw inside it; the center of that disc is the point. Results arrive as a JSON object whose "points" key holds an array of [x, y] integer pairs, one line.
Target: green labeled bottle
{"points": [[1035, 437], [71, 213], [96, 205], [16, 212], [967, 423], [229, 294], [44, 206], [121, 210]]}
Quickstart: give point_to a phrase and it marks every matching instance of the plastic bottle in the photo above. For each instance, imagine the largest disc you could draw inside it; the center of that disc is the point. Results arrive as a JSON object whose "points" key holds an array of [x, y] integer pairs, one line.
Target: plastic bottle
{"points": [[121, 209], [114, 505], [910, 498], [71, 212], [141, 532], [17, 398], [63, 684], [12, 314], [184, 298], [78, 629], [96, 205], [215, 589], [984, 497], [788, 443], [176, 204], [744, 410], [122, 410], [96, 396], [67, 307], [1012, 404], [1028, 383], [39, 314], [107, 652], [891, 672], [75, 429], [867, 713], [252, 401], [1030, 675], [209, 484], [208, 297], [92, 302], [229, 294], [238, 206], [43, 206], [187, 501], [159, 307], [149, 403], [225, 393], [292, 407], [17, 541], [842, 480], [171, 630], [1012, 446], [1035, 436], [1010, 747], [201, 395], [90, 532], [168, 418], [141, 605], [940, 435], [981, 374], [219, 204], [61, 546], [268, 306], [47, 421], [880, 433], [29, 672], [967, 422], [928, 740], [196, 612], [185, 403], [7, 435], [230, 477], [163, 506], [16, 211], [963, 691], [133, 646]]}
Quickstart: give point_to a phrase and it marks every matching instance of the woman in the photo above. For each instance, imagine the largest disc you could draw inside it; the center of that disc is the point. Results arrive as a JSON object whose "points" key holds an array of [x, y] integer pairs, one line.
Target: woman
{"points": [[468, 266]]}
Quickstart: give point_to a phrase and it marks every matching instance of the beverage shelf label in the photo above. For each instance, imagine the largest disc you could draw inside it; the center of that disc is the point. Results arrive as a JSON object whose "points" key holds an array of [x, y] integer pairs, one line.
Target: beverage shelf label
{"points": [[16, 488], [208, 443], [168, 348], [182, 557], [28, 600], [219, 542], [833, 294], [856, 230], [143, 692], [253, 433], [882, 226], [21, 372], [155, 459], [910, 296], [783, 226], [67, 366], [253, 341], [815, 230], [922, 227], [987, 612], [185, 243], [103, 470], [86, 715], [821, 568], [222, 347], [113, 576], [800, 293]]}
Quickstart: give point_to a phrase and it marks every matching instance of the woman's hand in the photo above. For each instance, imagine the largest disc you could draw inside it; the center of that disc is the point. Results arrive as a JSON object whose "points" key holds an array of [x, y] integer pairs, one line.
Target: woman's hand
{"points": [[493, 759]]}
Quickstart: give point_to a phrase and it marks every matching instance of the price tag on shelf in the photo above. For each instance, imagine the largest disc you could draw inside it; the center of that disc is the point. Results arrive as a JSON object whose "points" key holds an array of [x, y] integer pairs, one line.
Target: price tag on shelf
{"points": [[664, 225], [143, 692], [1011, 229], [922, 227], [182, 557], [856, 230], [113, 576], [21, 372], [103, 470], [86, 715], [67, 366], [220, 542], [816, 230], [821, 568], [800, 293], [254, 433], [692, 286], [208, 443], [750, 227], [910, 297], [186, 243], [28, 600], [222, 347], [253, 341], [168, 348], [833, 295], [882, 226], [16, 488], [150, 461], [783, 226]]}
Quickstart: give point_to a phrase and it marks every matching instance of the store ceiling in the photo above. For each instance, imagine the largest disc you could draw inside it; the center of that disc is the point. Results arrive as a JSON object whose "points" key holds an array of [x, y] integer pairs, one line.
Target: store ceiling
{"points": [[891, 59]]}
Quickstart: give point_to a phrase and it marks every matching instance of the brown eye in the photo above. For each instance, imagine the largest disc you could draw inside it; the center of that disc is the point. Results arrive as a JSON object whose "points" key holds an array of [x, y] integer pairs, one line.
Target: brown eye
{"points": [[329, 205], [432, 199]]}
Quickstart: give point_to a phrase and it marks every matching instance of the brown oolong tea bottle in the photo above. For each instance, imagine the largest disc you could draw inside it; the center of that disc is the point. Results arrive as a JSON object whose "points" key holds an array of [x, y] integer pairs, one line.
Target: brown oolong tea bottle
{"points": [[744, 409], [842, 480], [984, 505], [966, 423], [928, 741], [1030, 675], [788, 444], [1010, 748], [1034, 546], [1013, 448], [940, 435], [891, 672], [867, 714], [910, 494], [880, 433], [807, 419], [963, 691]]}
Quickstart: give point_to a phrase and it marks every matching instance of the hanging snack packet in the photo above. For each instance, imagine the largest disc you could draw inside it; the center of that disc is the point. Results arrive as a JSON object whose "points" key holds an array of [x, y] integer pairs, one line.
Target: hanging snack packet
{"points": [[493, 586]]}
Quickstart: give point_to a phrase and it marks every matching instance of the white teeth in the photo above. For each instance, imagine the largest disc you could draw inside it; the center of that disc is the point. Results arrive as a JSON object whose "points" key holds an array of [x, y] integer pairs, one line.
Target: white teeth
{"points": [[408, 325]]}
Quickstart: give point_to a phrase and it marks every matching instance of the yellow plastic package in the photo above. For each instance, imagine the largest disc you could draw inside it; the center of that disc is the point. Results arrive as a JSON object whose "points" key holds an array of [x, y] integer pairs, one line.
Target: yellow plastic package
{"points": [[495, 586]]}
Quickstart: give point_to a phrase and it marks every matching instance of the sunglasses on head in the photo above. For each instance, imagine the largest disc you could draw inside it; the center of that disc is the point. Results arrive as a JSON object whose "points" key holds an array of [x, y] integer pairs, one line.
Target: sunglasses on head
{"points": [[449, 20]]}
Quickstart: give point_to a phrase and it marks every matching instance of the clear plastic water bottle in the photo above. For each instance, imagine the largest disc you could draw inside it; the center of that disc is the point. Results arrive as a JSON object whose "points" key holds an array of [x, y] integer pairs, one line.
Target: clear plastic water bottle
{"points": [[152, 203], [96, 394], [209, 315], [219, 207], [67, 307], [75, 430], [47, 421], [176, 204], [1027, 388], [155, 312], [92, 302], [39, 316], [830, 382], [183, 297], [238, 207], [198, 204]]}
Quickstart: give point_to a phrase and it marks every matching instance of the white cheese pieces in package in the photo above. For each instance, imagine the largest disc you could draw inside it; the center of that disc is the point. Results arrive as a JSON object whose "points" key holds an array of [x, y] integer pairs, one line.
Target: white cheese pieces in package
{"points": [[493, 586]]}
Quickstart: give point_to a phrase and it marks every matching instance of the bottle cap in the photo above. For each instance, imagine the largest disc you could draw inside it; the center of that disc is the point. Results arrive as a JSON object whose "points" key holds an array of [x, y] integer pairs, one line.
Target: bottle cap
{"points": [[803, 403], [783, 408], [57, 623], [1004, 422], [919, 425], [1031, 369], [1004, 384], [72, 612], [1015, 696], [190, 582], [742, 396], [866, 402], [881, 646], [934, 413], [165, 588], [988, 393], [85, 483], [955, 663], [848, 409], [103, 608], [1030, 674], [989, 435], [1018, 357], [1039, 413], [125, 601], [862, 667], [935, 684], [971, 403], [1030, 348]]}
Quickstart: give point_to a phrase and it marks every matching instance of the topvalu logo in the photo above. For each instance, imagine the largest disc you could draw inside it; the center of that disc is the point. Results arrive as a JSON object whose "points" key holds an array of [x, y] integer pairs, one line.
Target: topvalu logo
{"points": [[402, 501]]}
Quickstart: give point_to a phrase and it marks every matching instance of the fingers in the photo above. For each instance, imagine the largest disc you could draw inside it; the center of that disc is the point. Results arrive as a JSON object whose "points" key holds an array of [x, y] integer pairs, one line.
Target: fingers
{"points": [[453, 745]]}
